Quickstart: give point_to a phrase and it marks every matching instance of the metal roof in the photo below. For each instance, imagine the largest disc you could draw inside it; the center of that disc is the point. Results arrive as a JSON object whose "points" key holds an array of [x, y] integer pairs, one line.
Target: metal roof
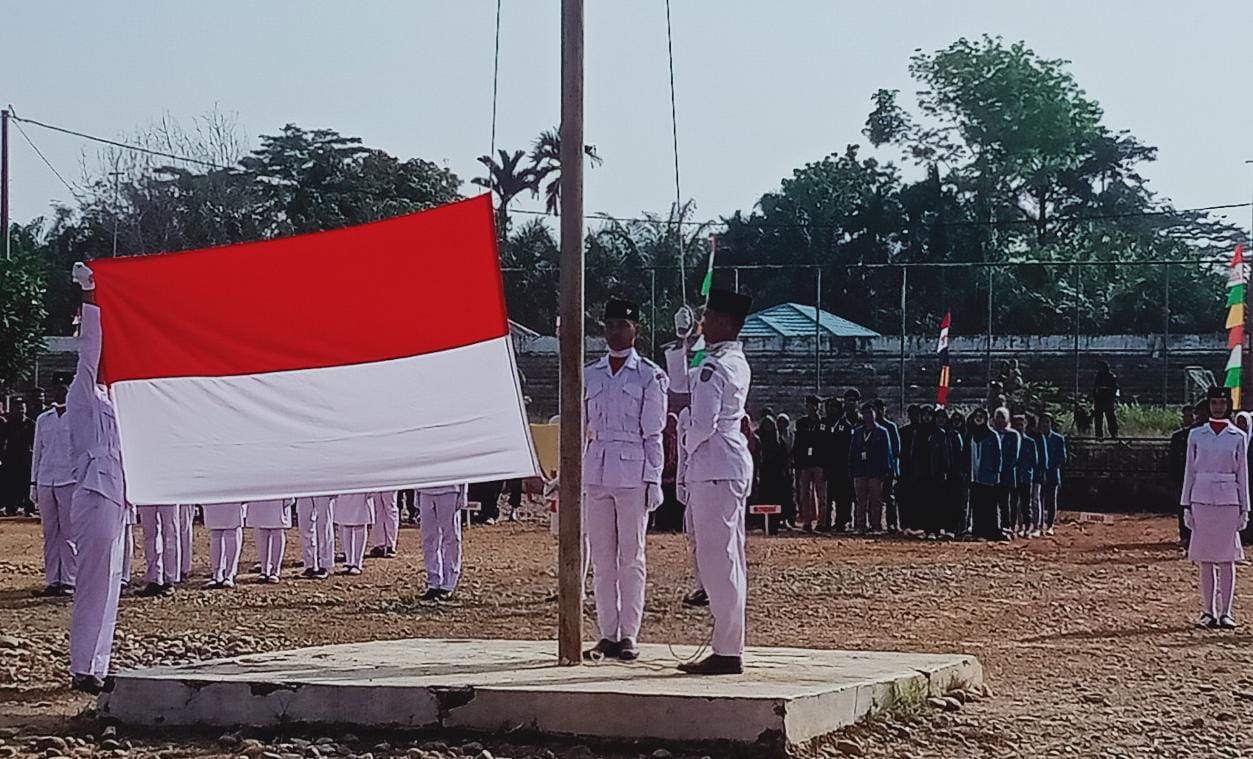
{"points": [[796, 320]]}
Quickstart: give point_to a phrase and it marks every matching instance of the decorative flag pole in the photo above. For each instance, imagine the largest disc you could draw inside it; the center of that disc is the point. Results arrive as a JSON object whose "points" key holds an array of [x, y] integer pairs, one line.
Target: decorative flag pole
{"points": [[698, 349], [1235, 324], [941, 394]]}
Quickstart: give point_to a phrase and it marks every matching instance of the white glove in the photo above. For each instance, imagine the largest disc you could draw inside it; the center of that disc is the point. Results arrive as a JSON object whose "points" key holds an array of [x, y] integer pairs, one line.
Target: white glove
{"points": [[653, 496], [684, 321], [83, 276], [680, 492], [1244, 520], [1187, 517], [33, 493]]}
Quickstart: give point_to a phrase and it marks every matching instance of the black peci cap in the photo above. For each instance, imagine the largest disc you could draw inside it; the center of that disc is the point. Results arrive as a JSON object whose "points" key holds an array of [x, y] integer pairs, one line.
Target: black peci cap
{"points": [[729, 303], [1223, 393], [616, 308]]}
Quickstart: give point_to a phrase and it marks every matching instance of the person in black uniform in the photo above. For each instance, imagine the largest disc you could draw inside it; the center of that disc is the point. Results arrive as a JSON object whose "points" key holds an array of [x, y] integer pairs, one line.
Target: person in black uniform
{"points": [[1177, 459], [809, 458], [16, 452]]}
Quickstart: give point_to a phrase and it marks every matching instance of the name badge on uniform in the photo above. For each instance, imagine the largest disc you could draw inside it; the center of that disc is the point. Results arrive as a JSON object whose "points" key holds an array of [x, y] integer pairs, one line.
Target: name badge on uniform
{"points": [[811, 451], [863, 456]]}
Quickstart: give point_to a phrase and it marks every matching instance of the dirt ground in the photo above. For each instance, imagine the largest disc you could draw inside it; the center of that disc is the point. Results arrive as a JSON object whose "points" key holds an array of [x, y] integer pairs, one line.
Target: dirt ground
{"points": [[1087, 638]]}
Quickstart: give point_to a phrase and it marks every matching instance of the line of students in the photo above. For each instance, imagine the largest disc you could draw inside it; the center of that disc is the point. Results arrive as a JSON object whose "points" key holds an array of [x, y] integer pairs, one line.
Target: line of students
{"points": [[943, 475]]}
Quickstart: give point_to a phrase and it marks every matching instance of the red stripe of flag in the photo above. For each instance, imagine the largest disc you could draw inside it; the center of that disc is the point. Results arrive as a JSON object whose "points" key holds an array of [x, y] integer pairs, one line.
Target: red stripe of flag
{"points": [[416, 284]]}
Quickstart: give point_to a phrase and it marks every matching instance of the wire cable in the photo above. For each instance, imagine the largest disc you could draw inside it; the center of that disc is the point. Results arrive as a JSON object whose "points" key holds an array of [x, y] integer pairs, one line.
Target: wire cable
{"points": [[936, 223], [674, 136], [123, 145], [44, 158]]}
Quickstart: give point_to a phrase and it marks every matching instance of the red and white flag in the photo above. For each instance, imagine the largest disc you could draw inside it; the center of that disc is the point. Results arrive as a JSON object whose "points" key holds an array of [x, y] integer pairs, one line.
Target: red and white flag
{"points": [[367, 358]]}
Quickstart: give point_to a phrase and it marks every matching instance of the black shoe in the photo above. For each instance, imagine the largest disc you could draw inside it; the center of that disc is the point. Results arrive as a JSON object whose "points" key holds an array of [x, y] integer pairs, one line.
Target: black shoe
{"points": [[89, 684], [309, 573], [389, 553], [604, 649], [65, 590], [320, 574], [1207, 621], [432, 594], [696, 598], [445, 595], [377, 552], [627, 650], [714, 665], [167, 589], [51, 591], [151, 590], [1226, 622]]}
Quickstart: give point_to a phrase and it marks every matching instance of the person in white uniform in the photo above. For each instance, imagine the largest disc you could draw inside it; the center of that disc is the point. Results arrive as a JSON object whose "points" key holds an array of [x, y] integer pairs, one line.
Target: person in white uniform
{"points": [[719, 470], [315, 516], [130, 519], [625, 415], [225, 523], [98, 509], [269, 521], [439, 511], [52, 487], [386, 530], [354, 513], [161, 549], [186, 520]]}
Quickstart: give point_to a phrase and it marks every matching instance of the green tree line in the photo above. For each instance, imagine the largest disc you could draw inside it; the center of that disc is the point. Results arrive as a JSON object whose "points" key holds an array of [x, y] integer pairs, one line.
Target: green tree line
{"points": [[1013, 162]]}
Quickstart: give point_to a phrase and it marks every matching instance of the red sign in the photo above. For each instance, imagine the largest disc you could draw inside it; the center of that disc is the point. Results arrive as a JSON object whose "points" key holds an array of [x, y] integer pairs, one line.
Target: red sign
{"points": [[765, 508]]}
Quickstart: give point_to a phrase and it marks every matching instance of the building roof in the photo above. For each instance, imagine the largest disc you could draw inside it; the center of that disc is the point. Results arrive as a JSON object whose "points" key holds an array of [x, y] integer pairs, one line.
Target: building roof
{"points": [[796, 320]]}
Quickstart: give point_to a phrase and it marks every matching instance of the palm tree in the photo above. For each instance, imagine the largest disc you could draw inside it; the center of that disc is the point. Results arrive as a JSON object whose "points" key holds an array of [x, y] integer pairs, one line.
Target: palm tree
{"points": [[507, 178], [546, 162]]}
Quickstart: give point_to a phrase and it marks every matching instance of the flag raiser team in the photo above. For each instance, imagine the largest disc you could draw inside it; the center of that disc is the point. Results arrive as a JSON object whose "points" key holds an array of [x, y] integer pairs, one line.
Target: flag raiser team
{"points": [[625, 404]]}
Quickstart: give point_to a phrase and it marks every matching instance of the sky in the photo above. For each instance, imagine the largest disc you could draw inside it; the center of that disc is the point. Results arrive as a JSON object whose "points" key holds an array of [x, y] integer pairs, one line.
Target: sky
{"points": [[762, 87]]}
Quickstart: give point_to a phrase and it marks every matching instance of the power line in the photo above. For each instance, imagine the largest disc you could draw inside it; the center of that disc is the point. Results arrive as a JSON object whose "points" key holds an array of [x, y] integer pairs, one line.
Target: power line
{"points": [[116, 144], [44, 158], [495, 79], [1005, 222]]}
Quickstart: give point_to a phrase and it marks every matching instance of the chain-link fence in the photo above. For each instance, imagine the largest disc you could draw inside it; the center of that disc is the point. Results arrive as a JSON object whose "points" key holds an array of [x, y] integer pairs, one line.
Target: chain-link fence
{"points": [[1040, 329]]}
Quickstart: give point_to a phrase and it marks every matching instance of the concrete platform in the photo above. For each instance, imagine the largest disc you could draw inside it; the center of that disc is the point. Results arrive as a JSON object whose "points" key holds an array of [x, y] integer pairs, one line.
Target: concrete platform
{"points": [[786, 696]]}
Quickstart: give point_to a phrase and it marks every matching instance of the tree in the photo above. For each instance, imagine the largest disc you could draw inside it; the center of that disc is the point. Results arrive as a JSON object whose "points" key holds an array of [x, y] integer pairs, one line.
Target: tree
{"points": [[22, 280], [546, 163], [507, 179]]}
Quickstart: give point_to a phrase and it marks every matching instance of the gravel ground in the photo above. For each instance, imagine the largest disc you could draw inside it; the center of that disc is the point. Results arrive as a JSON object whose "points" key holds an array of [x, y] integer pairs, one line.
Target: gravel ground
{"points": [[1086, 639]]}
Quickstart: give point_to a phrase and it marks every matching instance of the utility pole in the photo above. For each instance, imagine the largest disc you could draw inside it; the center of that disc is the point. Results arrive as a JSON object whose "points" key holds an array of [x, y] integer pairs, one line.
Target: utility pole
{"points": [[4, 178], [570, 309], [116, 209]]}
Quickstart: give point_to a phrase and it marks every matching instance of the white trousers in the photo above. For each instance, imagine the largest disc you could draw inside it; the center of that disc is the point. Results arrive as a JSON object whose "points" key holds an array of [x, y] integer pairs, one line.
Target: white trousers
{"points": [[718, 518], [689, 532], [617, 521], [317, 532], [99, 530], [54, 517], [224, 547], [353, 538], [385, 532], [271, 543], [128, 551], [162, 547], [186, 517], [441, 539]]}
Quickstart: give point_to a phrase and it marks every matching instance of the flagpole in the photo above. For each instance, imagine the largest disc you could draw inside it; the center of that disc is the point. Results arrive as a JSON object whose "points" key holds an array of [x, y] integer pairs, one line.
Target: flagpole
{"points": [[570, 497]]}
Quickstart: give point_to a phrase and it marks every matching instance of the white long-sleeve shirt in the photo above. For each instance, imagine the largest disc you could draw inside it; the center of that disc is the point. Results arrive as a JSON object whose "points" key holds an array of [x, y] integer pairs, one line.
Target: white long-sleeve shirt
{"points": [[625, 418], [1216, 470], [94, 438], [713, 441], [52, 461]]}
